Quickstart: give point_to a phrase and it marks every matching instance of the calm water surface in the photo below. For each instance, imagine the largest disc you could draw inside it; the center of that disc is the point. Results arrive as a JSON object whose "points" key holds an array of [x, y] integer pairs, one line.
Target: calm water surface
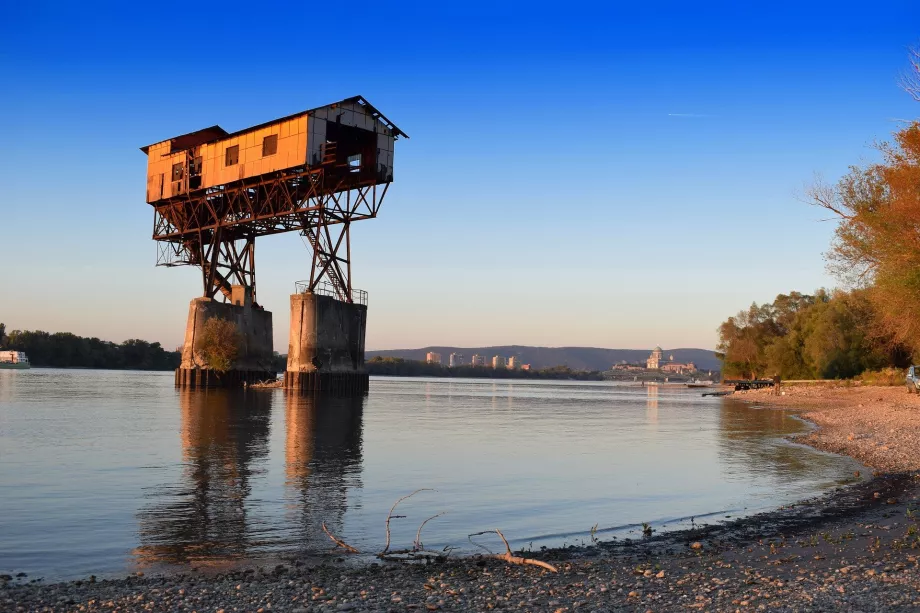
{"points": [[107, 472]]}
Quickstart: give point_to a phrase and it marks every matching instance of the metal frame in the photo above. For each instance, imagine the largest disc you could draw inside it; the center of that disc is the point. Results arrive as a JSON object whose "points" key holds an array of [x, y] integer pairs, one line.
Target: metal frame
{"points": [[216, 228]]}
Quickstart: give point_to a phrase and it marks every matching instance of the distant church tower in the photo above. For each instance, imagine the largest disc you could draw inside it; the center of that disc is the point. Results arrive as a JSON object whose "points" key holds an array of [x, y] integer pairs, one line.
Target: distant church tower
{"points": [[654, 361]]}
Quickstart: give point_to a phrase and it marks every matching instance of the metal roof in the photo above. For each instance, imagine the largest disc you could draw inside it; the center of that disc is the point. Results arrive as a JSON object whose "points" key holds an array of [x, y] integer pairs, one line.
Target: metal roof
{"points": [[215, 133]]}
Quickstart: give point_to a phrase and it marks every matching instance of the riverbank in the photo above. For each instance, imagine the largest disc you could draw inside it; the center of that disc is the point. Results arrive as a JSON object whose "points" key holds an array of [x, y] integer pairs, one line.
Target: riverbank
{"points": [[855, 548], [879, 426]]}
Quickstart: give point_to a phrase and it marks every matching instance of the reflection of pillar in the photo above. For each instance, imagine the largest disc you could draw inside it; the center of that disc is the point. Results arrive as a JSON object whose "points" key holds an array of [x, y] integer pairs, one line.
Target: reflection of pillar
{"points": [[203, 517], [322, 460], [651, 404], [299, 444]]}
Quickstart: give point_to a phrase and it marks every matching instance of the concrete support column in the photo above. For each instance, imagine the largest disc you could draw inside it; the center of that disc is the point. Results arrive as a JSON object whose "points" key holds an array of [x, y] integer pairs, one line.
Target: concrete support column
{"points": [[326, 345], [254, 361]]}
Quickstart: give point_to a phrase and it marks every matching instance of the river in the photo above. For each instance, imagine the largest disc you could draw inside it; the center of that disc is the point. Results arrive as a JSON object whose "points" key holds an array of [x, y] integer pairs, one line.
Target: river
{"points": [[110, 472]]}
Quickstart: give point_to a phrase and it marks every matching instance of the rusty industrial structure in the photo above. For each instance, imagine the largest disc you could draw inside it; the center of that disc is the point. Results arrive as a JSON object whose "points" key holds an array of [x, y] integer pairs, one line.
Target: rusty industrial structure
{"points": [[314, 172]]}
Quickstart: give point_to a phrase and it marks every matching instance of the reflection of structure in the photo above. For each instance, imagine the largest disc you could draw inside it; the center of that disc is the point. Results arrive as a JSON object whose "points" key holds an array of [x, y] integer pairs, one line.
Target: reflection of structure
{"points": [[651, 404], [204, 516], [322, 454], [210, 517]]}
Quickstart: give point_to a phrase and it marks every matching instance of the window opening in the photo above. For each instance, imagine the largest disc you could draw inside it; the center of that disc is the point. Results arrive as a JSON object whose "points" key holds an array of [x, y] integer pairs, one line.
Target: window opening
{"points": [[232, 156], [354, 163], [270, 145], [178, 171]]}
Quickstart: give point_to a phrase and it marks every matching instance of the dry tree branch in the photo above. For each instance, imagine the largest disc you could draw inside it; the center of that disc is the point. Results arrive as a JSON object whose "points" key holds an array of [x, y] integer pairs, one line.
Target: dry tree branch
{"points": [[508, 556], [339, 542], [910, 80], [390, 516], [417, 544]]}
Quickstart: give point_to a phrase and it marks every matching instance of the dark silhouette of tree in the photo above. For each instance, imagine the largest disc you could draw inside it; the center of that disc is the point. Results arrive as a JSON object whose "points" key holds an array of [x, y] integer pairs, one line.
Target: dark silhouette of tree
{"points": [[65, 350]]}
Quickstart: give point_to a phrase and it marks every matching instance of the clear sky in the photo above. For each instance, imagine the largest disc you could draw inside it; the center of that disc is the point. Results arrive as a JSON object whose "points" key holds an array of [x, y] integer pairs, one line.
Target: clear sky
{"points": [[612, 175]]}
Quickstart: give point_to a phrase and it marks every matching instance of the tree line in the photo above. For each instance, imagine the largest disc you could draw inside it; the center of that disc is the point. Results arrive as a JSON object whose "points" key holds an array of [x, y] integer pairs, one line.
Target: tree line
{"points": [[399, 367], [827, 335], [66, 350], [873, 320]]}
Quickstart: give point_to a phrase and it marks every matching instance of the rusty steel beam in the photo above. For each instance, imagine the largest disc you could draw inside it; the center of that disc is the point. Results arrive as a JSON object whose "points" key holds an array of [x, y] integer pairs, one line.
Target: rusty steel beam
{"points": [[203, 229]]}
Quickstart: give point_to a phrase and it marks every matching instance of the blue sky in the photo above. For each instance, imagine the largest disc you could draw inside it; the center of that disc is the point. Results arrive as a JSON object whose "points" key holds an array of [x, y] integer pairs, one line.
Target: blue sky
{"points": [[579, 174]]}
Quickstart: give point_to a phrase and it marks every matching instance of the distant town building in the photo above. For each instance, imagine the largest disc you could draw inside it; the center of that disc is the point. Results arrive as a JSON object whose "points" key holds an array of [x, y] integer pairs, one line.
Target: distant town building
{"points": [[433, 358], [514, 362], [525, 366], [456, 359], [654, 361], [678, 368], [478, 360], [498, 362]]}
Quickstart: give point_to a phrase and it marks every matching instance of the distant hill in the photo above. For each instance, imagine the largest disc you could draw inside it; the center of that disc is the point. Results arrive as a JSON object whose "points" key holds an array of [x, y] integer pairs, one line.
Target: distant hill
{"points": [[577, 358]]}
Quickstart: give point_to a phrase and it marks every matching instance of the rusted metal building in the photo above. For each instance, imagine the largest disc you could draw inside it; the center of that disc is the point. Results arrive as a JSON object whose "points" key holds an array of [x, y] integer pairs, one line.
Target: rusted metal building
{"points": [[350, 139], [314, 172]]}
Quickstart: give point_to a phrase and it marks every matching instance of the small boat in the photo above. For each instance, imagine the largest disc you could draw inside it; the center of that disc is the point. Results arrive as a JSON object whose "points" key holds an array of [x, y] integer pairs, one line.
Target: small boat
{"points": [[14, 359]]}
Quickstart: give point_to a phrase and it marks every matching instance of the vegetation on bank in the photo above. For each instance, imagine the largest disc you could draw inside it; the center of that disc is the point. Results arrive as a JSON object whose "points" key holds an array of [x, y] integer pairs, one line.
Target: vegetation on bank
{"points": [[828, 335], [873, 323], [66, 350], [398, 367]]}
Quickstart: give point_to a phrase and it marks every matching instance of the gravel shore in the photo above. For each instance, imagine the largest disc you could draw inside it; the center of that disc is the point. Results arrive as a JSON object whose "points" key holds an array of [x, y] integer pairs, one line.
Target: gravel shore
{"points": [[855, 549], [879, 426]]}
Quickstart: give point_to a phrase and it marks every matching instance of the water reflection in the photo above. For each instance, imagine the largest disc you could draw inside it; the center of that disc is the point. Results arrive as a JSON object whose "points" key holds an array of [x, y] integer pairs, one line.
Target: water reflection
{"points": [[651, 404], [322, 463], [204, 516], [212, 516], [756, 437]]}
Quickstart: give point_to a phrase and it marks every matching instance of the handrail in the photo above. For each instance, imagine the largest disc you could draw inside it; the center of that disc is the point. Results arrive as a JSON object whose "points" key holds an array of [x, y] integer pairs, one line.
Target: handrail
{"points": [[324, 288]]}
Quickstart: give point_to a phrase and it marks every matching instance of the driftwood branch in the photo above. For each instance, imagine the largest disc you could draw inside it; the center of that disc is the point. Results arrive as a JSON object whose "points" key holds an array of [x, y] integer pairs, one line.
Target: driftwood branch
{"points": [[417, 545], [508, 556], [339, 542], [390, 516]]}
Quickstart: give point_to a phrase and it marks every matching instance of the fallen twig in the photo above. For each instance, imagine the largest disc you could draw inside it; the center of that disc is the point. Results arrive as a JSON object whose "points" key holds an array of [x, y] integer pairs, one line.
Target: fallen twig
{"points": [[417, 545], [339, 542], [508, 556], [390, 516]]}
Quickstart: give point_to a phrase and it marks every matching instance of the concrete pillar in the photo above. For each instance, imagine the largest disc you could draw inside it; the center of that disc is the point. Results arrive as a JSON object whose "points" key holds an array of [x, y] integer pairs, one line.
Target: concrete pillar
{"points": [[254, 360], [326, 345]]}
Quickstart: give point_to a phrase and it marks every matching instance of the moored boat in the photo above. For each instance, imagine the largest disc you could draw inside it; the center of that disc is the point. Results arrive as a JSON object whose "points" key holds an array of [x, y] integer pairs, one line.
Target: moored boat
{"points": [[14, 359]]}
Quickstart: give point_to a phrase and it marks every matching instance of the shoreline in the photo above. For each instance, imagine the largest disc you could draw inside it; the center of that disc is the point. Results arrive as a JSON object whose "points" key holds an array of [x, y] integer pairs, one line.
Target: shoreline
{"points": [[853, 548]]}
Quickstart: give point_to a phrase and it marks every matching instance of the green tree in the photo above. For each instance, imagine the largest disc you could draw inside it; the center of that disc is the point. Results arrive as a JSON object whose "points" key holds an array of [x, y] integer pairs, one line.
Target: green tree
{"points": [[219, 343], [2, 335]]}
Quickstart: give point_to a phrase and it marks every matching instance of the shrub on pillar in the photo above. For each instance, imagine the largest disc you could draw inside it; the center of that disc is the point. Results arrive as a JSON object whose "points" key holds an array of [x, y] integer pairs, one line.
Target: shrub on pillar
{"points": [[220, 344]]}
